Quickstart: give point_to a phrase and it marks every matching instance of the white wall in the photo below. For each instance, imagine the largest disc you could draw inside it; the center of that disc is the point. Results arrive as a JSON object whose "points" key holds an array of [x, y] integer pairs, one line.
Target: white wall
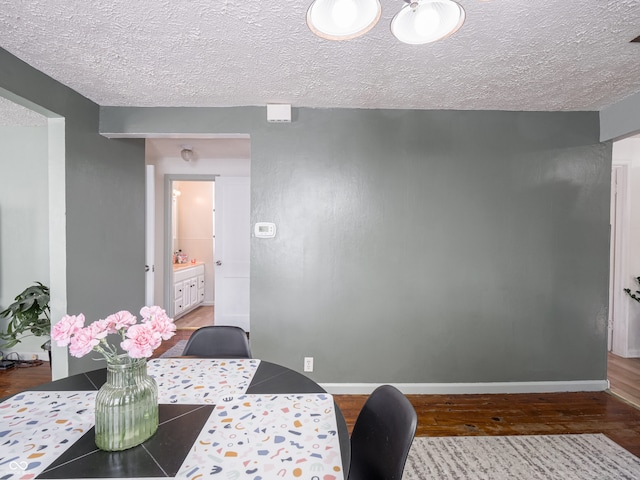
{"points": [[24, 219], [627, 152], [226, 164]]}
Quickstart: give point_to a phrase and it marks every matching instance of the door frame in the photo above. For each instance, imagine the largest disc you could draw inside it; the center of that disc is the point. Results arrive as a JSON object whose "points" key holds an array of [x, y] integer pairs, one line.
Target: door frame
{"points": [[149, 232], [618, 303], [169, 178]]}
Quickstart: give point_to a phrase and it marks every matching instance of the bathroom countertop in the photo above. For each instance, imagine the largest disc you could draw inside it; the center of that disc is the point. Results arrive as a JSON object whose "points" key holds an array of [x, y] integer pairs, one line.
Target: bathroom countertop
{"points": [[181, 266]]}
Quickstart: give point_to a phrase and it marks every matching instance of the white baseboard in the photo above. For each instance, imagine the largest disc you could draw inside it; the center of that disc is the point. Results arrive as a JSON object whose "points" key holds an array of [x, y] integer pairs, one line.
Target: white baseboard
{"points": [[41, 355], [633, 353], [471, 388]]}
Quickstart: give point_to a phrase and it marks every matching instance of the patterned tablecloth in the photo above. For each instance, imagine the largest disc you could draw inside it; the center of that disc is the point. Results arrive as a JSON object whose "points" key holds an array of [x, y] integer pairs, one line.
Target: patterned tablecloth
{"points": [[36, 427], [201, 380], [256, 437], [262, 437]]}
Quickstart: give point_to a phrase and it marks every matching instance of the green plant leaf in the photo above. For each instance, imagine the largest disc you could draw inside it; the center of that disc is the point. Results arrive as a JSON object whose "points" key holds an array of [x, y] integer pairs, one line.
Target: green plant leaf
{"points": [[29, 314]]}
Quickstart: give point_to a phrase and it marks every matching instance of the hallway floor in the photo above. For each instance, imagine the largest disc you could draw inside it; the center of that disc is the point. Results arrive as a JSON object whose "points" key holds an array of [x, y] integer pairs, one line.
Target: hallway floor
{"points": [[624, 378], [200, 317]]}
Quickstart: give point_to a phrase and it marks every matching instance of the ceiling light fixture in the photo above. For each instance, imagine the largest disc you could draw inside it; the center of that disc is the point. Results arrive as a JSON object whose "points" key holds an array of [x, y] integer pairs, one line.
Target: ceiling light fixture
{"points": [[417, 22], [425, 21], [187, 153], [343, 19]]}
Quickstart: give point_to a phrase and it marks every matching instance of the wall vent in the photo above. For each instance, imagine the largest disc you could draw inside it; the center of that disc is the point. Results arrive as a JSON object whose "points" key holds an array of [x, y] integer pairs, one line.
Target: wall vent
{"points": [[278, 113]]}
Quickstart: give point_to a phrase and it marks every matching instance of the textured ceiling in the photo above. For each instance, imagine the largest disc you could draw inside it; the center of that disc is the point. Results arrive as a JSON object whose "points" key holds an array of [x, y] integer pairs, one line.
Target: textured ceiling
{"points": [[14, 115], [509, 54]]}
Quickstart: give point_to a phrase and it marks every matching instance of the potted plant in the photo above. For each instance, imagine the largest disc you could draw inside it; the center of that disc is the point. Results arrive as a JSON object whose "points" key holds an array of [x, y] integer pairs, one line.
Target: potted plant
{"points": [[635, 295], [28, 315]]}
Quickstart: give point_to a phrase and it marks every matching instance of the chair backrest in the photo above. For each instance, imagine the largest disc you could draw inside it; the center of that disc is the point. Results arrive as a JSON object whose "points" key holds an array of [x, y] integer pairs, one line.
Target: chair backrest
{"points": [[218, 341], [382, 436]]}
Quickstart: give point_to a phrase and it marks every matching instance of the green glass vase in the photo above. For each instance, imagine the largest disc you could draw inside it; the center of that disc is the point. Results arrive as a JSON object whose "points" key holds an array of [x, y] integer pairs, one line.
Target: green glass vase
{"points": [[126, 405]]}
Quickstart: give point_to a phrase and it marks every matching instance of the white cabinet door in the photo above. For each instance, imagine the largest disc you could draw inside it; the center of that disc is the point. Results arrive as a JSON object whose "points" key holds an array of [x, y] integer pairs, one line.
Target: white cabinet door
{"points": [[177, 291], [178, 307], [201, 291], [187, 295], [187, 289], [193, 292]]}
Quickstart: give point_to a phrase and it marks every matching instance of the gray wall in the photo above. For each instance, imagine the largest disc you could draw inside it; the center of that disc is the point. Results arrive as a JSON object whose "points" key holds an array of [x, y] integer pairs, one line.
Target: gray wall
{"points": [[104, 199], [463, 246], [422, 246]]}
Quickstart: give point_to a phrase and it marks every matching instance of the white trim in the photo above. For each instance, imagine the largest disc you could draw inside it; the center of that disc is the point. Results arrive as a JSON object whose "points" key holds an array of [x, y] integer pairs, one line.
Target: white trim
{"points": [[184, 136], [57, 239], [633, 353], [168, 281], [32, 355], [620, 302], [471, 388], [149, 235]]}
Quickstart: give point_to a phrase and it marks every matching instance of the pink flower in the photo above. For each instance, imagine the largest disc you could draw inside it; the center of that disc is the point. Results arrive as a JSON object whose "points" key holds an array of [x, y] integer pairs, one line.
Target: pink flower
{"points": [[141, 340], [83, 342], [122, 319], [66, 327], [159, 320], [148, 313], [164, 326], [100, 329]]}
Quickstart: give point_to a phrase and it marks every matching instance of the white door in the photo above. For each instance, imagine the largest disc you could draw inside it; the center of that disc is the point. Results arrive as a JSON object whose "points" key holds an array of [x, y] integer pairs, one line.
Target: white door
{"points": [[232, 235], [149, 236]]}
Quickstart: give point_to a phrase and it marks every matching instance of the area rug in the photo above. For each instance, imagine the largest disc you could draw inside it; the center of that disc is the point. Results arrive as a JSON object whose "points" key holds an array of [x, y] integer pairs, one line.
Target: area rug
{"points": [[176, 350], [530, 457]]}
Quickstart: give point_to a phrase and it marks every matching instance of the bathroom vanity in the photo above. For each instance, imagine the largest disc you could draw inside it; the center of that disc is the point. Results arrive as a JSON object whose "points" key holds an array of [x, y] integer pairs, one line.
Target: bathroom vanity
{"points": [[188, 287]]}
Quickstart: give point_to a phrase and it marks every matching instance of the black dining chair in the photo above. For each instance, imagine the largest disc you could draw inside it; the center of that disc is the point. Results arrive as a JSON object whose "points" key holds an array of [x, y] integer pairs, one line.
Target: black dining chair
{"points": [[218, 341], [382, 436]]}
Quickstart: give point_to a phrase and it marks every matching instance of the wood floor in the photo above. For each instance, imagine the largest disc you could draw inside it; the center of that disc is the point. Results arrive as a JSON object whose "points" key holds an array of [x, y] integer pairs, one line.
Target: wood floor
{"points": [[199, 317], [520, 414], [624, 377], [454, 415]]}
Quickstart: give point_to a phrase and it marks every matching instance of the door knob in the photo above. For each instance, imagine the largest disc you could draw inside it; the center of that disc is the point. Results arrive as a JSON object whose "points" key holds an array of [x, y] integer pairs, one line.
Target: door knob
{"points": [[218, 263]]}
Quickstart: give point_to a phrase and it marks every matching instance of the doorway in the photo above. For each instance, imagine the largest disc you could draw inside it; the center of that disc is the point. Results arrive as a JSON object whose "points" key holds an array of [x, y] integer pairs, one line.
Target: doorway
{"points": [[207, 247], [623, 318], [32, 225], [192, 246], [212, 157]]}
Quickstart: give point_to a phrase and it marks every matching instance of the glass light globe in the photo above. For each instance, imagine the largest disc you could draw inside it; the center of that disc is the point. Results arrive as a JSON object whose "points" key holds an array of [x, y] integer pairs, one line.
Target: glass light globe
{"points": [[344, 13], [425, 21], [343, 19]]}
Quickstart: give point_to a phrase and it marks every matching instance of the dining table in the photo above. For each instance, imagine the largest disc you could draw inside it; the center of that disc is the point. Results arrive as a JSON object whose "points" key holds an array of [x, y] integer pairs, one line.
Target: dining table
{"points": [[227, 419]]}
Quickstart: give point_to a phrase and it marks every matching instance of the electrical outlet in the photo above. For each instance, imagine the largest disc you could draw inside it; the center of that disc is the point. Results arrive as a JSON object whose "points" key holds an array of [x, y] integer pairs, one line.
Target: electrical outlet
{"points": [[308, 364]]}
